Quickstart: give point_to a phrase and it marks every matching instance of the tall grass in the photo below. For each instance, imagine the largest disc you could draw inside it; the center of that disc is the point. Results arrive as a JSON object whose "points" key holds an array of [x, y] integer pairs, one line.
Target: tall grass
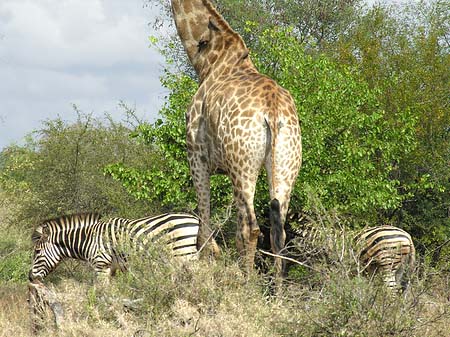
{"points": [[160, 296]]}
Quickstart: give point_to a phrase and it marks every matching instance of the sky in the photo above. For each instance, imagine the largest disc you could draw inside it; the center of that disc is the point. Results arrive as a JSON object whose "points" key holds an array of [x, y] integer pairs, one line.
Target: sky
{"points": [[92, 53]]}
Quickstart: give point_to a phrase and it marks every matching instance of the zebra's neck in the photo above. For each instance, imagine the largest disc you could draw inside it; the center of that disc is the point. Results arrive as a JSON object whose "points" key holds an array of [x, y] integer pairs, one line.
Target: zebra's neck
{"points": [[80, 242]]}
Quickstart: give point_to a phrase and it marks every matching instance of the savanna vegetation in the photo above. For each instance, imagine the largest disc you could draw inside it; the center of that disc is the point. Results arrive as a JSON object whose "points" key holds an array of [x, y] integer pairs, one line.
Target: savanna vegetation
{"points": [[371, 85]]}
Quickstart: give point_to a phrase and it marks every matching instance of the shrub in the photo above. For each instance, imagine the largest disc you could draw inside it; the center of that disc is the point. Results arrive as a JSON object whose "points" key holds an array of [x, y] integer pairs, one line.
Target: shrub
{"points": [[15, 257]]}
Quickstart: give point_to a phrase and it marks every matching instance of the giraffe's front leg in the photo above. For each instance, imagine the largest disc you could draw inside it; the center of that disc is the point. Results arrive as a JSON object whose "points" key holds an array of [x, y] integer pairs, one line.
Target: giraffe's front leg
{"points": [[247, 231], [198, 159]]}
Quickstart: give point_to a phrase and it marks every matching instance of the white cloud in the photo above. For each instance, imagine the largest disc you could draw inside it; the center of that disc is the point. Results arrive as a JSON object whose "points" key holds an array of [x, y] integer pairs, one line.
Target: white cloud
{"points": [[67, 33], [57, 52]]}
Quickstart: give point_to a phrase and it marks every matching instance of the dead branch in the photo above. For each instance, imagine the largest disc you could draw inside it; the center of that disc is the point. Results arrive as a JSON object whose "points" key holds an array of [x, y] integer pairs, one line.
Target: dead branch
{"points": [[40, 299], [213, 233], [288, 259]]}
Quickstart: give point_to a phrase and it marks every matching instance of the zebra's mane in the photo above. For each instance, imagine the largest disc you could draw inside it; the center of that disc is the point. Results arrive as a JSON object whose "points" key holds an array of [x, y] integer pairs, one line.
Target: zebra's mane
{"points": [[81, 219]]}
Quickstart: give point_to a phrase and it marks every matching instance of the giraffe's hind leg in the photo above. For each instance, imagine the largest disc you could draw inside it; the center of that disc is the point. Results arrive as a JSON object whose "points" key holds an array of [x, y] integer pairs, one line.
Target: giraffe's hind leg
{"points": [[200, 176], [277, 233]]}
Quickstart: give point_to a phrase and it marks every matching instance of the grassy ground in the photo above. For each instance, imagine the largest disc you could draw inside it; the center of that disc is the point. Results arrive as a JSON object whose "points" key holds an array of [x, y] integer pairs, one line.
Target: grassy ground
{"points": [[14, 318], [217, 299], [160, 297]]}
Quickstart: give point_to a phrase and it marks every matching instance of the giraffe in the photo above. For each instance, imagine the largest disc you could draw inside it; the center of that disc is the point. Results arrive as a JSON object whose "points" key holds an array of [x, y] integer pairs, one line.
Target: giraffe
{"points": [[238, 121]]}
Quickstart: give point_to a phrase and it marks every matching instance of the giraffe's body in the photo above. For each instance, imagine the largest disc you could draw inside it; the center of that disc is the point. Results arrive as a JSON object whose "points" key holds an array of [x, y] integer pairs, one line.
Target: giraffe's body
{"points": [[239, 120]]}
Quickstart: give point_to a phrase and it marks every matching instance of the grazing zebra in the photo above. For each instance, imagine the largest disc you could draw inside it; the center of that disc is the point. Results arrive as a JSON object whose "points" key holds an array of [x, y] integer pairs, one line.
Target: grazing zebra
{"points": [[102, 243], [388, 250]]}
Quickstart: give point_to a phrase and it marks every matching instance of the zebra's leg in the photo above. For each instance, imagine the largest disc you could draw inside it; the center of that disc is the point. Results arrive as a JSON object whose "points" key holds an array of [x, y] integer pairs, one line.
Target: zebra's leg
{"points": [[390, 278], [104, 275], [403, 272], [103, 266]]}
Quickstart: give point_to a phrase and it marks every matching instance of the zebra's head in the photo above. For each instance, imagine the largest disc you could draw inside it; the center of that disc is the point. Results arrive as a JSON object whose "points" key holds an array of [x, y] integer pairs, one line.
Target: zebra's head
{"points": [[52, 241], [46, 256]]}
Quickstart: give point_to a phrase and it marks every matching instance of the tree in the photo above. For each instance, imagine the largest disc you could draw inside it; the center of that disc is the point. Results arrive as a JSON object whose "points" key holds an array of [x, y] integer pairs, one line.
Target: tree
{"points": [[60, 170], [313, 23], [348, 145], [405, 54]]}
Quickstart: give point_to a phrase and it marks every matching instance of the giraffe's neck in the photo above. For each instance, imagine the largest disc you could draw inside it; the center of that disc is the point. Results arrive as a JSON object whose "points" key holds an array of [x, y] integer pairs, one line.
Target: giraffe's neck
{"points": [[191, 20]]}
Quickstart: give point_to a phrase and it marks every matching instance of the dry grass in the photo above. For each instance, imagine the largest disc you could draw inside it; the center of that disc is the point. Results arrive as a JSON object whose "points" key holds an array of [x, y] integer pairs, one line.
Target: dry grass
{"points": [[14, 316], [217, 299], [161, 297]]}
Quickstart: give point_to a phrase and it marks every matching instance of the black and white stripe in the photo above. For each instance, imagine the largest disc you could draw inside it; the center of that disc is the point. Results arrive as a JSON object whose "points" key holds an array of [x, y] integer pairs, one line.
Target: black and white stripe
{"points": [[103, 242], [387, 250]]}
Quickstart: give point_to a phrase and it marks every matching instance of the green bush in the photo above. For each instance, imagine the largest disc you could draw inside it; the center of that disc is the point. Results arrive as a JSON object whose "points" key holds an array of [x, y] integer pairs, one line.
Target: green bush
{"points": [[349, 146], [60, 170], [15, 259]]}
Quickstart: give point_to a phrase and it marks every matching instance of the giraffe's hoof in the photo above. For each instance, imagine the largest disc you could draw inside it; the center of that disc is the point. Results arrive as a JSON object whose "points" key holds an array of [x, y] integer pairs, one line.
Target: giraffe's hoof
{"points": [[210, 250], [215, 249], [255, 234]]}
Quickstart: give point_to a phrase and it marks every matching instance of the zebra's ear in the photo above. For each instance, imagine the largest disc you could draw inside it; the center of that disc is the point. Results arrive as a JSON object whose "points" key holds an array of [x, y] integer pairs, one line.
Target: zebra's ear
{"points": [[45, 232], [40, 234]]}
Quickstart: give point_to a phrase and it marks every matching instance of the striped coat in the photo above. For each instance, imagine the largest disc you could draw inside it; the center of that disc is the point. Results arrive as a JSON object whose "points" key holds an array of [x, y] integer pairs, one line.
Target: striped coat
{"points": [[387, 250], [104, 243]]}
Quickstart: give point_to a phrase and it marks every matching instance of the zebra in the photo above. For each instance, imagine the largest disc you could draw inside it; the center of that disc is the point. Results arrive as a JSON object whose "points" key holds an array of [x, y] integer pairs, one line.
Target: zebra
{"points": [[102, 242], [385, 249]]}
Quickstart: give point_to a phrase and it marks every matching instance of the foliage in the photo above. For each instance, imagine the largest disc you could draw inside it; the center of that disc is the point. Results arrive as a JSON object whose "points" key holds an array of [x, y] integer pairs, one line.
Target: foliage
{"points": [[169, 180], [14, 258], [349, 145], [405, 53], [61, 171], [314, 23], [14, 267]]}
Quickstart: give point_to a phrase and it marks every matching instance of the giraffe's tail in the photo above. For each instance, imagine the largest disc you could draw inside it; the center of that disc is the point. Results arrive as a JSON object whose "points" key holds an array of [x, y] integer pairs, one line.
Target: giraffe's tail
{"points": [[276, 225]]}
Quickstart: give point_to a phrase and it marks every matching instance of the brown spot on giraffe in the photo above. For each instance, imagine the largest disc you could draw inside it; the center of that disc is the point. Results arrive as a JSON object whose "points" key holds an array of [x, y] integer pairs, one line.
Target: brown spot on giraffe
{"points": [[249, 122]]}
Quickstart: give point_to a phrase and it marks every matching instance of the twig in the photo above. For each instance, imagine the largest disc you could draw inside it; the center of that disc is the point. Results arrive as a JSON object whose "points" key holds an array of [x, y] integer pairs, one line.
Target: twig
{"points": [[196, 328], [438, 247], [288, 259], [207, 240]]}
